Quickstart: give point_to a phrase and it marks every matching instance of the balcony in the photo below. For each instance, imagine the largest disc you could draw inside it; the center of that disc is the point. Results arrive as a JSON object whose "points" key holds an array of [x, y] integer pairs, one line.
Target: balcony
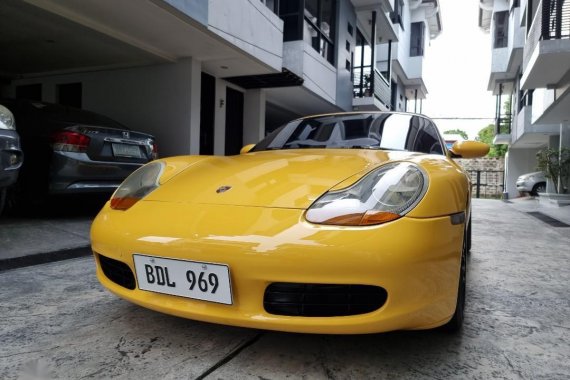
{"points": [[546, 56], [507, 56], [370, 89], [385, 28], [503, 129], [525, 134], [250, 26], [551, 106]]}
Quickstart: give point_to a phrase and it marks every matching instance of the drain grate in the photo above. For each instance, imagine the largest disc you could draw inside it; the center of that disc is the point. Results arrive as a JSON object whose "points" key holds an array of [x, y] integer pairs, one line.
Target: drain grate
{"points": [[547, 219]]}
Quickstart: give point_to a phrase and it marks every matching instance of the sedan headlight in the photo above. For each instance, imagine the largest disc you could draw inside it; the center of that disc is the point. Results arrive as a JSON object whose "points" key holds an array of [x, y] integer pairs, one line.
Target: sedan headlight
{"points": [[383, 195], [138, 185], [6, 118]]}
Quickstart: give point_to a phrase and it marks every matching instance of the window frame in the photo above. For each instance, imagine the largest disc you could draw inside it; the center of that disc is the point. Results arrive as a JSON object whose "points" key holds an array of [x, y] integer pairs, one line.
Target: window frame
{"points": [[500, 30], [317, 27], [417, 39]]}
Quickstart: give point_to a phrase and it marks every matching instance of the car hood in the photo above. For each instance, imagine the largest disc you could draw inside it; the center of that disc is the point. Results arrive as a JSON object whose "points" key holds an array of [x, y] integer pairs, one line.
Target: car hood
{"points": [[533, 174], [277, 179]]}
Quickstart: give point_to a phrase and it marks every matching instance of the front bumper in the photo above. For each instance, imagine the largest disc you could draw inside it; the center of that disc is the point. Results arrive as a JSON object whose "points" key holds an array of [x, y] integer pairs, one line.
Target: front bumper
{"points": [[415, 260], [524, 185], [11, 157]]}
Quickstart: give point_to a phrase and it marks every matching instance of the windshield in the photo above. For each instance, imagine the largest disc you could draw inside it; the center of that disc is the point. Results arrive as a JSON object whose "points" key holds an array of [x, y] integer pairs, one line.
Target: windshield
{"points": [[388, 131]]}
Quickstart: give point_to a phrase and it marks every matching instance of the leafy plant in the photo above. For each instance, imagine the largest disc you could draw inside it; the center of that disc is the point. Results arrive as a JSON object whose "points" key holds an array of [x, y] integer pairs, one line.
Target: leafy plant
{"points": [[486, 135], [459, 132], [556, 165]]}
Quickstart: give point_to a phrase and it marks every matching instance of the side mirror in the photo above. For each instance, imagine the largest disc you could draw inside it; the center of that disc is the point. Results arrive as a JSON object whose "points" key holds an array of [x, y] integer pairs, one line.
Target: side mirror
{"points": [[469, 149], [246, 148]]}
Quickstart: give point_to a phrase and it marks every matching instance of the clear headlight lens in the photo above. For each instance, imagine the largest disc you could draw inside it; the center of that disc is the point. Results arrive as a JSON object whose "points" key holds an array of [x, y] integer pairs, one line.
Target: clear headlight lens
{"points": [[6, 118], [138, 185], [383, 195]]}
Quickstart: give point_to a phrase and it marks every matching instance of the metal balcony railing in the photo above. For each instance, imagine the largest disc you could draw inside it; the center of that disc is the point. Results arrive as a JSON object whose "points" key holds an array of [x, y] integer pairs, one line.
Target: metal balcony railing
{"points": [[551, 21], [503, 125], [555, 19], [368, 83]]}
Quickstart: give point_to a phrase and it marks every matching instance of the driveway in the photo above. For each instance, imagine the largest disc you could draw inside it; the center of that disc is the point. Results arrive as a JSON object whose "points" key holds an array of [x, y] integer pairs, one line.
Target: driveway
{"points": [[57, 321]]}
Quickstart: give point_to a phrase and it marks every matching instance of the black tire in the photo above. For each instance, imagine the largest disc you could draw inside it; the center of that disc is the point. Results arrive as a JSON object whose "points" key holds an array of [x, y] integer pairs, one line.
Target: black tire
{"points": [[457, 320], [468, 236], [538, 188]]}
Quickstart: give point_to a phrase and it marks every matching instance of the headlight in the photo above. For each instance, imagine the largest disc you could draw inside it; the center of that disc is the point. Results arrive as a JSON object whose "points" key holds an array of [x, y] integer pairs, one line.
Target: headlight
{"points": [[138, 185], [6, 118], [383, 195]]}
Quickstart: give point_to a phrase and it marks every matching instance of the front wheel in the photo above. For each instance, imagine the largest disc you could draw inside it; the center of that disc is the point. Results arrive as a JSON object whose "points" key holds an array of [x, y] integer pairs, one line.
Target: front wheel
{"points": [[457, 320], [538, 188]]}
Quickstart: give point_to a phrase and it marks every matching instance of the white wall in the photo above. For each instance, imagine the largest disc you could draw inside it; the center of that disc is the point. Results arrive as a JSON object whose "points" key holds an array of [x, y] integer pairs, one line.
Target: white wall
{"points": [[542, 98], [519, 161], [254, 116], [160, 100], [249, 25], [412, 66]]}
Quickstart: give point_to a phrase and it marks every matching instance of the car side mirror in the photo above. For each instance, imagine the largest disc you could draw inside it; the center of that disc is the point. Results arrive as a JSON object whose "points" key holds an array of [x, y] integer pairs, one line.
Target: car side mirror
{"points": [[469, 149], [246, 148]]}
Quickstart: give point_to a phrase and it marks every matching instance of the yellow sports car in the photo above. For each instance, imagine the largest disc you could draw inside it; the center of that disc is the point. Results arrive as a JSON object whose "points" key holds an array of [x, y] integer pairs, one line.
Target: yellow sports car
{"points": [[342, 223]]}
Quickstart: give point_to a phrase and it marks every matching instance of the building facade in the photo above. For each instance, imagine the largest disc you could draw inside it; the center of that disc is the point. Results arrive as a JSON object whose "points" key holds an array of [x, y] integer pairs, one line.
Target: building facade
{"points": [[207, 77], [530, 77]]}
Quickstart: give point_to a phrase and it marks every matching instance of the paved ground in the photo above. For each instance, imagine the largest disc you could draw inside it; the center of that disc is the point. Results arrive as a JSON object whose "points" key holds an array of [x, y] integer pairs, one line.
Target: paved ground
{"points": [[63, 224], [58, 321]]}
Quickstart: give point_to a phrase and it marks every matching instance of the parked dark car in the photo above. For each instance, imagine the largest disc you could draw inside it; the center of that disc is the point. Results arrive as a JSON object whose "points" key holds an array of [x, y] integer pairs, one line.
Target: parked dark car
{"points": [[70, 151], [10, 153]]}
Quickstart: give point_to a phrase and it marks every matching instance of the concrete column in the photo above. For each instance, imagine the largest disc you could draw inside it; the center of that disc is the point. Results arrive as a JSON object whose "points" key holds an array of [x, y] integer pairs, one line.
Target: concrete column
{"points": [[507, 183], [195, 105], [220, 118], [253, 116], [553, 143], [564, 143]]}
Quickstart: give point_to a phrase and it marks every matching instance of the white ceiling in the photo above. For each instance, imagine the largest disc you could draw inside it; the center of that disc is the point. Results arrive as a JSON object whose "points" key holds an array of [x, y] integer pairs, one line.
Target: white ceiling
{"points": [[47, 36]]}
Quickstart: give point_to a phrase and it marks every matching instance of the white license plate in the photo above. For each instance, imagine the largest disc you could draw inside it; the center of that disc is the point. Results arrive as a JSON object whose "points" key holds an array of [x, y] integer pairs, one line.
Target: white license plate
{"points": [[190, 279], [126, 150]]}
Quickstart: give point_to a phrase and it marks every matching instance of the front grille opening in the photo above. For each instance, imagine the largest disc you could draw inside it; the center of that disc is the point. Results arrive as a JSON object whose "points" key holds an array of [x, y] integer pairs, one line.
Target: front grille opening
{"points": [[322, 300], [118, 272]]}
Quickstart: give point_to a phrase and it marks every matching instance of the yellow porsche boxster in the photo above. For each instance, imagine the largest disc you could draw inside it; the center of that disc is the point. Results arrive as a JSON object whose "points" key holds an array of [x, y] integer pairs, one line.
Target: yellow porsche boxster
{"points": [[342, 223]]}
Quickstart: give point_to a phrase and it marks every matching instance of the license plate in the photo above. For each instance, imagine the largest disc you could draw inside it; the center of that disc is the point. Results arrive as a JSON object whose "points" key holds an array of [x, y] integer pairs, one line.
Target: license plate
{"points": [[190, 279], [126, 150]]}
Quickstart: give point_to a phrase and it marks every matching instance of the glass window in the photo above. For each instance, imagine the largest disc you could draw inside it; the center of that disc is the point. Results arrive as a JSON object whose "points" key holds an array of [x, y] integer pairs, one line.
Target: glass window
{"points": [[383, 131], [397, 16], [426, 138], [312, 10], [291, 13], [319, 26], [327, 17], [417, 39], [501, 29], [362, 70], [311, 20], [272, 4]]}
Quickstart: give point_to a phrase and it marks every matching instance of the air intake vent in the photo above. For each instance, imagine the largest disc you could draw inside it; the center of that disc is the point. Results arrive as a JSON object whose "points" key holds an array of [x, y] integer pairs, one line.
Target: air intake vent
{"points": [[118, 272], [322, 300]]}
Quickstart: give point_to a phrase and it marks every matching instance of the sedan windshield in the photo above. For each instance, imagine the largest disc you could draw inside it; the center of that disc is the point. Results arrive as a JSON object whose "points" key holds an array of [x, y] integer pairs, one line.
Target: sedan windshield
{"points": [[387, 131]]}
